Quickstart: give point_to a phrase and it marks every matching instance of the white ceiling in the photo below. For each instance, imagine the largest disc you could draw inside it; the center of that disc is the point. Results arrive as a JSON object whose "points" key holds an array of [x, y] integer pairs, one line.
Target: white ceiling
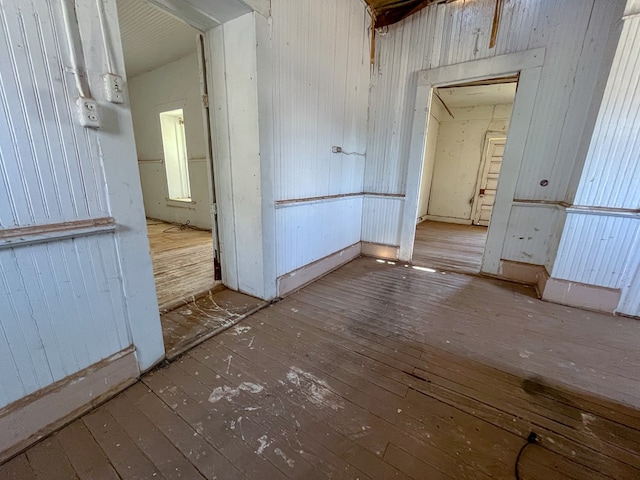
{"points": [[152, 38], [457, 97]]}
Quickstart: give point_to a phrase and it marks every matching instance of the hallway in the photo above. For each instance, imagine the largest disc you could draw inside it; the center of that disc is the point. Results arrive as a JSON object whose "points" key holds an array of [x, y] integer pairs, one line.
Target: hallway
{"points": [[376, 371]]}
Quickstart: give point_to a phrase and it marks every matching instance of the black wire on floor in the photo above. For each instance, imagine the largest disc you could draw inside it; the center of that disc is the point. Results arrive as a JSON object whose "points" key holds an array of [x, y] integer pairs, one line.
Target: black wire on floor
{"points": [[181, 228], [531, 439]]}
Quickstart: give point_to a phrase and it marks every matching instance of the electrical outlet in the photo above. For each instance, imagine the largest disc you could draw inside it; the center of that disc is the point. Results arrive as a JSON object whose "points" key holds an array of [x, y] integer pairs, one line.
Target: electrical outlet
{"points": [[114, 88], [336, 149], [88, 114]]}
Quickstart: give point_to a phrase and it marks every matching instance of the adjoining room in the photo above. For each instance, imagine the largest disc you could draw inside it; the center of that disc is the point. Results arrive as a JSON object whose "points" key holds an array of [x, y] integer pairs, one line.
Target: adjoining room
{"points": [[466, 136], [166, 70]]}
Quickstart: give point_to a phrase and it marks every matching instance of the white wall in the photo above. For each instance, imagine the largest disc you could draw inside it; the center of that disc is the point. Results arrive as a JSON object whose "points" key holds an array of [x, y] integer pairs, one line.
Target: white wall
{"points": [[577, 44], [436, 113], [67, 302], [172, 86], [458, 157], [320, 74], [600, 243]]}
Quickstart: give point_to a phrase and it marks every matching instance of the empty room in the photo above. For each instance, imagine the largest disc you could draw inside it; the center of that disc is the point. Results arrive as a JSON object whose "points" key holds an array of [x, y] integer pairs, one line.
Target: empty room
{"points": [[291, 239]]}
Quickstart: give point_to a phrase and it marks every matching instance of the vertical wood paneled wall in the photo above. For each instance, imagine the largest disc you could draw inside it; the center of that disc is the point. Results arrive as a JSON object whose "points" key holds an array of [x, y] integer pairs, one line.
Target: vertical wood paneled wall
{"points": [[575, 36], [65, 304], [601, 240], [320, 76]]}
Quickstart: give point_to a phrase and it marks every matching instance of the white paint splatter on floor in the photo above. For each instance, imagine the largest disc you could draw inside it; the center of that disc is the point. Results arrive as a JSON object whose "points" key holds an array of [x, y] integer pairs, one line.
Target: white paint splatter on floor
{"points": [[291, 462], [264, 443], [228, 393], [240, 329], [314, 388]]}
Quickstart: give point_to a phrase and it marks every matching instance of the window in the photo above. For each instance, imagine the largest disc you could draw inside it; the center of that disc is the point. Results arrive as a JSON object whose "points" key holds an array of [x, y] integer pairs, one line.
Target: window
{"points": [[175, 155]]}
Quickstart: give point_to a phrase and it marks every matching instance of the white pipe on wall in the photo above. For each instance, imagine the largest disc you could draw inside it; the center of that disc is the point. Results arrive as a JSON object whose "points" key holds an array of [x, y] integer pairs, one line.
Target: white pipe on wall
{"points": [[74, 41]]}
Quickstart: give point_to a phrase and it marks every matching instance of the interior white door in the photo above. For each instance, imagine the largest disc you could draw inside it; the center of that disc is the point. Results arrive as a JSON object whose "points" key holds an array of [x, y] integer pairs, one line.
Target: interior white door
{"points": [[488, 180]]}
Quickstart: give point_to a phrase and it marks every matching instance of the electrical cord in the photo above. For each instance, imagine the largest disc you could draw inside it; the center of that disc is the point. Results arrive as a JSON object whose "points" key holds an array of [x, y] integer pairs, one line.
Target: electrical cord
{"points": [[531, 439], [181, 228]]}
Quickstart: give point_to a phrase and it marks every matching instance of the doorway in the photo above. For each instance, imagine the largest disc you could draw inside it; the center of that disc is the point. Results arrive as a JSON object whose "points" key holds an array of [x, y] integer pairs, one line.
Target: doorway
{"points": [[465, 141]]}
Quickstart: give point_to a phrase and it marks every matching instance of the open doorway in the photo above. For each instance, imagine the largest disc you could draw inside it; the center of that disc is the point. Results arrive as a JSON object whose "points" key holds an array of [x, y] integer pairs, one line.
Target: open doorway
{"points": [[466, 136], [164, 75]]}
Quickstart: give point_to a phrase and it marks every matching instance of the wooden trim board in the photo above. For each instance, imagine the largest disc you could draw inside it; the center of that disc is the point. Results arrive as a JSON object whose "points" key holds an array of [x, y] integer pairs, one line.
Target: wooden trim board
{"points": [[35, 416], [581, 295], [524, 273], [293, 281], [12, 237], [388, 252]]}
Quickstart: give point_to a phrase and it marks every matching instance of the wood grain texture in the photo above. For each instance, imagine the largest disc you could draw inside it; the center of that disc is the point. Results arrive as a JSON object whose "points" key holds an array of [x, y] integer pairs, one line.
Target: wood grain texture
{"points": [[190, 324], [448, 246], [182, 261], [380, 371]]}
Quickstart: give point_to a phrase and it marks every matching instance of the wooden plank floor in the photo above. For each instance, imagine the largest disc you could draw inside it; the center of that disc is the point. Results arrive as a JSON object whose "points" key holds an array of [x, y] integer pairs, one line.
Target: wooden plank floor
{"points": [[182, 262], [449, 246], [376, 371], [188, 325]]}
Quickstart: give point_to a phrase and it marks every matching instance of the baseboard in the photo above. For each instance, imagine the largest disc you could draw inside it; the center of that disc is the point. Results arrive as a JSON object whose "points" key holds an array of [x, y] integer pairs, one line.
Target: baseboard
{"points": [[295, 280], [526, 273], [35, 416], [459, 221], [581, 295], [388, 252]]}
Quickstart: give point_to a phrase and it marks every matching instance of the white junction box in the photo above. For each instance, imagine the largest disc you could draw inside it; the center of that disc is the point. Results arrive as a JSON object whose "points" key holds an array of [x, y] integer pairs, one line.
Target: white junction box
{"points": [[114, 88], [88, 114]]}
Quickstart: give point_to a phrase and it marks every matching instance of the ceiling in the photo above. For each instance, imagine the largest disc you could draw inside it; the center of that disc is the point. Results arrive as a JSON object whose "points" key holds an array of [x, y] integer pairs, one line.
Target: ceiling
{"points": [[460, 97], [152, 38]]}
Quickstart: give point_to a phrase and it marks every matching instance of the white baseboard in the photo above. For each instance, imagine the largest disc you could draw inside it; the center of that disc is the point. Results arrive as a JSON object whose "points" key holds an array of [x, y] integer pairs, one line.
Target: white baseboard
{"points": [[526, 273], [293, 281], [459, 221], [581, 295], [35, 416]]}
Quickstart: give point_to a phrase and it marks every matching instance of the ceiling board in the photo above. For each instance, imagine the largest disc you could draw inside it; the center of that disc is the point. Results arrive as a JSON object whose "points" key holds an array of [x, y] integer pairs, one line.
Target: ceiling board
{"points": [[152, 38]]}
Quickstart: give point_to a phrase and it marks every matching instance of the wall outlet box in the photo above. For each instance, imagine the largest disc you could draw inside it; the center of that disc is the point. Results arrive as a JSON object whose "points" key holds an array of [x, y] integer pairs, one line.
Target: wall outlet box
{"points": [[336, 149], [87, 111], [113, 88]]}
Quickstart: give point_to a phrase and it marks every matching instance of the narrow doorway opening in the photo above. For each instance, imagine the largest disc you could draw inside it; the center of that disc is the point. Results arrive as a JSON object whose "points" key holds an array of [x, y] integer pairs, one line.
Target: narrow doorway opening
{"points": [[166, 63], [466, 136]]}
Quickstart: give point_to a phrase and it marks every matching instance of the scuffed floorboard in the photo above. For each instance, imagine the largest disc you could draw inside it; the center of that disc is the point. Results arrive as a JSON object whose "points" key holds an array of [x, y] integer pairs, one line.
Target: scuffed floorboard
{"points": [[376, 371], [449, 246], [198, 320]]}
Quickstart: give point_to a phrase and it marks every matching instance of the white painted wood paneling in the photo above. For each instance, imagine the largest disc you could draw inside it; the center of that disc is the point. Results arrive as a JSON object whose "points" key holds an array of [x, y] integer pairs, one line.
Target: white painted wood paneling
{"points": [[531, 234], [601, 246], [310, 231], [67, 302], [321, 80], [49, 169], [597, 249], [63, 310], [576, 36], [612, 169], [320, 74], [381, 219], [174, 85]]}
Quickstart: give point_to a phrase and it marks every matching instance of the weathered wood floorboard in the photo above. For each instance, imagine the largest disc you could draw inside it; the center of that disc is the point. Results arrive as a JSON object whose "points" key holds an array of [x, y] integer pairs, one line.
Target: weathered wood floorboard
{"points": [[376, 371]]}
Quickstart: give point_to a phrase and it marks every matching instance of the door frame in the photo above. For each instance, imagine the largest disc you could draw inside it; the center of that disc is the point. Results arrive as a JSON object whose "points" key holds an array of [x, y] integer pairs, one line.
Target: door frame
{"points": [[528, 65], [488, 140]]}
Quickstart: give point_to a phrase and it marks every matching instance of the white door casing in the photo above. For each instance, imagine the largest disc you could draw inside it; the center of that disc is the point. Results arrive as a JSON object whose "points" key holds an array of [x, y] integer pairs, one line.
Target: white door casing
{"points": [[528, 64]]}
